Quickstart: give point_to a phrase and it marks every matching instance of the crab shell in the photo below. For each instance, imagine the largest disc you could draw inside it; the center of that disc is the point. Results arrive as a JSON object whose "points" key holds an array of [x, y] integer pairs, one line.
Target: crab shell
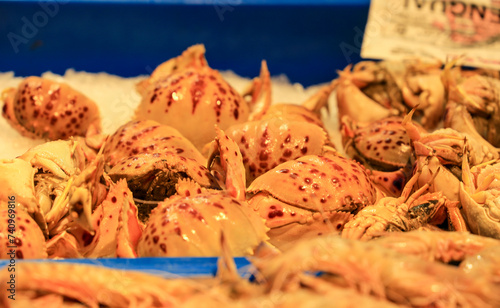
{"points": [[16, 179], [480, 203], [192, 226], [193, 100], [267, 143], [381, 145], [147, 136], [41, 108], [308, 193], [19, 234], [63, 158], [140, 170]]}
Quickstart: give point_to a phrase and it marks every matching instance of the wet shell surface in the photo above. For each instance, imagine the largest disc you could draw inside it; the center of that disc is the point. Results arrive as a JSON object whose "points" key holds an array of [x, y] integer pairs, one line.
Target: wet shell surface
{"points": [[193, 100], [148, 136], [318, 183], [41, 108], [22, 232], [383, 143], [192, 226], [266, 144]]}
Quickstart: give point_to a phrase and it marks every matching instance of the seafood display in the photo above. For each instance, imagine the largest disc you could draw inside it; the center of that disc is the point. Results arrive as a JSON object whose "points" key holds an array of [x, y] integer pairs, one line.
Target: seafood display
{"points": [[402, 212]]}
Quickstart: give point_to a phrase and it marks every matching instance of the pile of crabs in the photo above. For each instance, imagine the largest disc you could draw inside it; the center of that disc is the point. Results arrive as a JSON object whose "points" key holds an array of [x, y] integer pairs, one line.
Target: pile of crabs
{"points": [[202, 168]]}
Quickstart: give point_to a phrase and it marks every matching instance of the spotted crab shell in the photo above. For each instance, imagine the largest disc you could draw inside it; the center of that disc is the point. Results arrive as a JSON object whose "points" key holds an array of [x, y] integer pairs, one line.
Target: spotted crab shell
{"points": [[141, 169], [26, 236], [41, 108], [318, 183], [293, 112], [268, 143], [383, 144], [193, 100], [148, 136], [192, 226]]}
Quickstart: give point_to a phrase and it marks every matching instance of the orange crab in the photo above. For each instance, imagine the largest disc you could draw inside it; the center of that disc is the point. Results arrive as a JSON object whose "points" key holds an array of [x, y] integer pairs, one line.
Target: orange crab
{"points": [[42, 108], [310, 195], [191, 223], [408, 212], [187, 94]]}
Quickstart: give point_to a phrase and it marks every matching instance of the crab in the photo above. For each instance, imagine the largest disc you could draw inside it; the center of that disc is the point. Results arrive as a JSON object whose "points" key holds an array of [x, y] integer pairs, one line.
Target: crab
{"points": [[153, 176], [370, 269], [152, 158], [192, 222], [480, 96], [45, 109], [20, 236], [147, 136], [384, 147], [187, 94], [310, 195], [389, 88], [40, 177], [423, 90], [438, 245], [284, 132], [309, 111], [406, 213], [267, 143], [370, 86], [480, 196]]}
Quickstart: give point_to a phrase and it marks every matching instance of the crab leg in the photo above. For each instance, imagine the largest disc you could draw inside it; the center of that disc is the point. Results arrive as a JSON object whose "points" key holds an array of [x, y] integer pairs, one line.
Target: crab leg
{"points": [[320, 99], [260, 89]]}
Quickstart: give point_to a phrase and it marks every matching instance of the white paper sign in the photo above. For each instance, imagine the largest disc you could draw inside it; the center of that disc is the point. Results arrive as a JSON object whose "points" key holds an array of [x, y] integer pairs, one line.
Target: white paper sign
{"points": [[399, 29]]}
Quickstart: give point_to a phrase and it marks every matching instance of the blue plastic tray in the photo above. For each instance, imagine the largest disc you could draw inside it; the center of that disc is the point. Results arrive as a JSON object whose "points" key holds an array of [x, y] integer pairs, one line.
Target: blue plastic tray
{"points": [[306, 40], [165, 267]]}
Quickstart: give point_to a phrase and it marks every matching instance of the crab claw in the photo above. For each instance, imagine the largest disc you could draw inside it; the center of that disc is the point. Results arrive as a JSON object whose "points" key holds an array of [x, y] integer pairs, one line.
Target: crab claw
{"points": [[320, 99], [351, 100], [260, 91], [232, 164]]}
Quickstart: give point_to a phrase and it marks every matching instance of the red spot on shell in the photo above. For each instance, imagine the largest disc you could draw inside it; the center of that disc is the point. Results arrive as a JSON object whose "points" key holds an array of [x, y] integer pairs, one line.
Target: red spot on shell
{"points": [[113, 199], [18, 242], [178, 231], [163, 247], [218, 205], [156, 238], [275, 213], [337, 167]]}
